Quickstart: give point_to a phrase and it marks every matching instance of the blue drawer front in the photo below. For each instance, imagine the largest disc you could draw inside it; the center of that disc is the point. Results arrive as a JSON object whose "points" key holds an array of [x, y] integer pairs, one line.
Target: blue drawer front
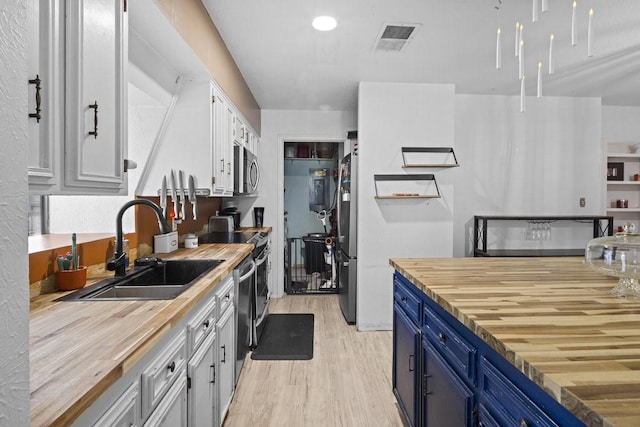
{"points": [[456, 350], [505, 403], [410, 303]]}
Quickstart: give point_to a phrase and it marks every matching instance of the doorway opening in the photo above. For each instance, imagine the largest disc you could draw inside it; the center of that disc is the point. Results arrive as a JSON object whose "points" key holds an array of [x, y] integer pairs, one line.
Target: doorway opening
{"points": [[310, 196]]}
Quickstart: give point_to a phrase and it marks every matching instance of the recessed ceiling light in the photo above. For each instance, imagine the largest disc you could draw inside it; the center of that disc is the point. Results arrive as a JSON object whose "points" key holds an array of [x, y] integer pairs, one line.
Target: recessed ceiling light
{"points": [[324, 23]]}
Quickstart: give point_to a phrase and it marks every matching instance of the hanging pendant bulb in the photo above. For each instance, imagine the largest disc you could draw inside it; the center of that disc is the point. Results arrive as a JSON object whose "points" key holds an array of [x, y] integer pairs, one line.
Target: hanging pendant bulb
{"points": [[574, 38], [498, 50], [521, 60], [551, 62], [590, 34], [534, 12], [522, 95], [517, 43], [539, 91], [545, 5]]}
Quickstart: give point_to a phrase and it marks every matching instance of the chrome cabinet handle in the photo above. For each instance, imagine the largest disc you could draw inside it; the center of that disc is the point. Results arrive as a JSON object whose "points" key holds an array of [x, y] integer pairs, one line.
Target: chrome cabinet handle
{"points": [[229, 170], [222, 164], [523, 423], [36, 82], [441, 337], [94, 106]]}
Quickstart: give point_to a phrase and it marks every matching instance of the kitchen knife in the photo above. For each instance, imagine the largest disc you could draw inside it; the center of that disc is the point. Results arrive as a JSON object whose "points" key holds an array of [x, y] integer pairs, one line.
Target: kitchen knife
{"points": [[174, 197], [192, 196], [163, 196], [182, 195]]}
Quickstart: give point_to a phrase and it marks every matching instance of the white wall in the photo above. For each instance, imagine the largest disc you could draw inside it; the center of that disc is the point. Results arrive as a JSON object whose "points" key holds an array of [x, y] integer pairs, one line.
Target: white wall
{"points": [[279, 126], [620, 124], [539, 162], [14, 276], [390, 116]]}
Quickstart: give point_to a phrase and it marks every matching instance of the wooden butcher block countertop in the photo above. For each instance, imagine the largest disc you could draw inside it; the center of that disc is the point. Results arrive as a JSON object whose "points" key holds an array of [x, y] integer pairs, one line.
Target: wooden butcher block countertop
{"points": [[553, 319], [78, 349]]}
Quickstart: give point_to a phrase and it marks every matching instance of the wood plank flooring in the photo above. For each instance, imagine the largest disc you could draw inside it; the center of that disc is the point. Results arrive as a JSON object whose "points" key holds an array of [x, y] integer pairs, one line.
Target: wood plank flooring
{"points": [[347, 383]]}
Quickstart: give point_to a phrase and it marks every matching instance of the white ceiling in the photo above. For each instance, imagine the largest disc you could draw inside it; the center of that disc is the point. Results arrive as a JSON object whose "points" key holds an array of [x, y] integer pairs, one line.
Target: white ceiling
{"points": [[289, 65]]}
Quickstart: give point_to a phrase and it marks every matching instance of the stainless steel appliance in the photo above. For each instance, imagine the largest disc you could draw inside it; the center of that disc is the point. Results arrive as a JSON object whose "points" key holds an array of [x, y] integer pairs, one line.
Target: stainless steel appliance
{"points": [[260, 286], [261, 294], [246, 171], [347, 235], [244, 279], [221, 224]]}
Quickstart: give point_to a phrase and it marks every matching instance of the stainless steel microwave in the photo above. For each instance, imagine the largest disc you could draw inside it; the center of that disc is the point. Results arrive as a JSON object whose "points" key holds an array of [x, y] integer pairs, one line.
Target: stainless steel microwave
{"points": [[246, 171]]}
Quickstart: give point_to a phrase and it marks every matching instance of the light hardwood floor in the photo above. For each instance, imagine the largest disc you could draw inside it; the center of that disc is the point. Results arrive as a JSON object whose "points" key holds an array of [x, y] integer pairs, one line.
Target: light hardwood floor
{"points": [[347, 383]]}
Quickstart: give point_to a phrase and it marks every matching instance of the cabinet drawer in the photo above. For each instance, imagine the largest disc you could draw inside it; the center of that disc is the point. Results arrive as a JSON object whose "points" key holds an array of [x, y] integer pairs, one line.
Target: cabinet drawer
{"points": [[505, 403], [162, 372], [456, 350], [201, 325], [225, 295], [125, 411], [409, 302]]}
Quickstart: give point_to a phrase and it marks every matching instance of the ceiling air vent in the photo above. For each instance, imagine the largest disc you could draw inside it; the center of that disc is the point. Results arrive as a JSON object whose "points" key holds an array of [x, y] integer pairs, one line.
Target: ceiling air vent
{"points": [[394, 37]]}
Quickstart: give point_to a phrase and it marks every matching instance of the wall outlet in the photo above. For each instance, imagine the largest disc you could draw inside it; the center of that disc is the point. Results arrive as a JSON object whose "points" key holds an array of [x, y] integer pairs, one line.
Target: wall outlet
{"points": [[583, 202]]}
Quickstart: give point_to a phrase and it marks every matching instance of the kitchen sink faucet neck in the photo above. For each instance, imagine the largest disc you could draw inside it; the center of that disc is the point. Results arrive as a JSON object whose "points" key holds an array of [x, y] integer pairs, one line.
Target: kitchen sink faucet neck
{"points": [[118, 262]]}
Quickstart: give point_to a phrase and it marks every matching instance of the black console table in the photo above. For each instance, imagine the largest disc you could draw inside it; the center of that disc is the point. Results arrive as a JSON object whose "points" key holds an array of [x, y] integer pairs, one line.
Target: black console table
{"points": [[602, 225]]}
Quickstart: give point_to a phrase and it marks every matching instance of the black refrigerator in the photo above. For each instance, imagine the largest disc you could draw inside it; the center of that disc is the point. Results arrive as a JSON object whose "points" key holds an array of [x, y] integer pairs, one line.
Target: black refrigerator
{"points": [[347, 236]]}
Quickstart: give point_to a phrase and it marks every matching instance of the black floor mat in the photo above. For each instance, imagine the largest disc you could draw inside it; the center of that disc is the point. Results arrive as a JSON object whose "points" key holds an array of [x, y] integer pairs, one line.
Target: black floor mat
{"points": [[286, 337]]}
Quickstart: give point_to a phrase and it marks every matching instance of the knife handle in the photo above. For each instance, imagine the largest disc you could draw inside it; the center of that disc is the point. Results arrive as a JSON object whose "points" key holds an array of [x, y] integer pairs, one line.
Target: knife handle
{"points": [[194, 207]]}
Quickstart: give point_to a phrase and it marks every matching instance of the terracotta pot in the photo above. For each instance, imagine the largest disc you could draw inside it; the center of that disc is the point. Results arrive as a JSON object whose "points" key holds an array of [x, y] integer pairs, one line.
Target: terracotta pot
{"points": [[68, 280]]}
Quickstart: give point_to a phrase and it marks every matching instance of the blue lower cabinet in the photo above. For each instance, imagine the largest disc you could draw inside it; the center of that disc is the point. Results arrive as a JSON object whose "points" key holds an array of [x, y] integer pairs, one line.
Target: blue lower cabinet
{"points": [[446, 399], [445, 375], [406, 351]]}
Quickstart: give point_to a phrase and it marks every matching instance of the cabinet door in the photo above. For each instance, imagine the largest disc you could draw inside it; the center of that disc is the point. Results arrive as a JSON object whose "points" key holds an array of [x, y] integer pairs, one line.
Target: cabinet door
{"points": [[406, 350], [172, 410], [96, 102], [201, 395], [222, 143], [227, 360], [44, 102], [446, 400]]}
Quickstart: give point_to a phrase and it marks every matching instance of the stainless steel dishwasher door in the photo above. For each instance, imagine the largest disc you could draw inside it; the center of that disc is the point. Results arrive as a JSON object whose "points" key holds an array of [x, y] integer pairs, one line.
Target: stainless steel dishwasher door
{"points": [[244, 278]]}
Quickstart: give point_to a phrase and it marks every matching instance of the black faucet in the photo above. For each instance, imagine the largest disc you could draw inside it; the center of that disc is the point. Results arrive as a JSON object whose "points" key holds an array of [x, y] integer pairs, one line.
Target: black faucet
{"points": [[117, 264]]}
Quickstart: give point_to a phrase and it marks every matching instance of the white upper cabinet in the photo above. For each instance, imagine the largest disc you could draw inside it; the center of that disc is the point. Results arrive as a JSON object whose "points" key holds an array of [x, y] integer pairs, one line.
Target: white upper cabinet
{"points": [[44, 84], [77, 56], [96, 98], [223, 115]]}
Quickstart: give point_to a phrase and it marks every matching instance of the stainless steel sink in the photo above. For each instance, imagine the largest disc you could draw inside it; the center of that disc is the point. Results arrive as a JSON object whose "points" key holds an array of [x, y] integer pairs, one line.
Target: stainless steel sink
{"points": [[166, 280]]}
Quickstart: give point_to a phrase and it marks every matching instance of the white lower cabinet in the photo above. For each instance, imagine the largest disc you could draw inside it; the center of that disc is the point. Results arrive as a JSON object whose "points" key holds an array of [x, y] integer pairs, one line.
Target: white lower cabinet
{"points": [[172, 410], [187, 379], [202, 396], [226, 332], [227, 358], [125, 412], [162, 372]]}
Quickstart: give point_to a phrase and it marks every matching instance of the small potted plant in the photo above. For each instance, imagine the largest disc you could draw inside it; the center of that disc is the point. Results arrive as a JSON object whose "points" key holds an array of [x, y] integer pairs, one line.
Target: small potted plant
{"points": [[70, 275]]}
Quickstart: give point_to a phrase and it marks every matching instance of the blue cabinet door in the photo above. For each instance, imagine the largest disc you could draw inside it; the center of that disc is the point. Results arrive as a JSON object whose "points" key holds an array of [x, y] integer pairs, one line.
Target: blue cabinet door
{"points": [[446, 400], [406, 350]]}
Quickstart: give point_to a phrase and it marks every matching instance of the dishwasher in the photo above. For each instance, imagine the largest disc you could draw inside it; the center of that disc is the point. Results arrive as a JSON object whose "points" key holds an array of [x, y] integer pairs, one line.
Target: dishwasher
{"points": [[244, 280]]}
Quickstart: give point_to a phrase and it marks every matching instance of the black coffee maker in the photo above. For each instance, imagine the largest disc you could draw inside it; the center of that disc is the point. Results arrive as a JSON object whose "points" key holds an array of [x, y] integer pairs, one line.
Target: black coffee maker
{"points": [[229, 208]]}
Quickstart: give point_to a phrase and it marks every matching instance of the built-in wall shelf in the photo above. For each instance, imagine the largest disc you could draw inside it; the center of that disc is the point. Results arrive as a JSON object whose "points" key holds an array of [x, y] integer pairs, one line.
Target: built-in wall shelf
{"points": [[623, 182], [415, 186], [624, 155], [429, 157], [623, 210]]}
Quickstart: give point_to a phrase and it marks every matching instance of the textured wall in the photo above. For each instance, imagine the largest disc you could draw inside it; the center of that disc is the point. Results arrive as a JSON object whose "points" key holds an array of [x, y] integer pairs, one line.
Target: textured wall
{"points": [[14, 289]]}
